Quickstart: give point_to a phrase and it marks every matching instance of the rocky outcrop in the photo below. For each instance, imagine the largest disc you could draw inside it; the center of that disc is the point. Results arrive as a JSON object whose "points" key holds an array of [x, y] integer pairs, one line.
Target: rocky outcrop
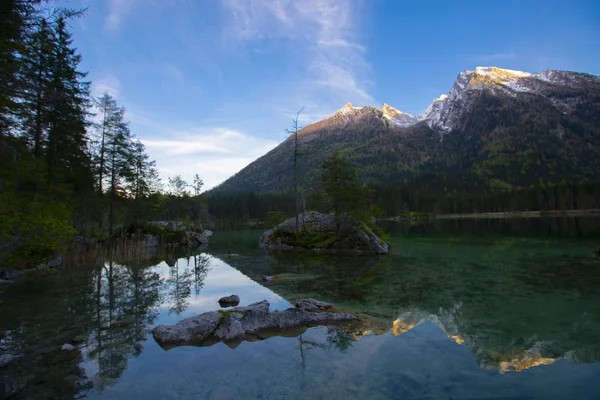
{"points": [[240, 322], [8, 275], [229, 301], [318, 233], [172, 233], [188, 331]]}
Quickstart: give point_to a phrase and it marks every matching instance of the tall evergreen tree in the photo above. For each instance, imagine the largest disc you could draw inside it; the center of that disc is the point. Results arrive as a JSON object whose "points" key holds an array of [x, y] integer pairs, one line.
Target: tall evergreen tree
{"points": [[67, 160], [119, 162], [111, 114], [36, 81]]}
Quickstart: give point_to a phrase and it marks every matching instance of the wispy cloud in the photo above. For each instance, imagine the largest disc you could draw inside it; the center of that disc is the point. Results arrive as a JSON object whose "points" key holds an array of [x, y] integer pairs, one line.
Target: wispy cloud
{"points": [[494, 57], [215, 153], [117, 11], [324, 30], [106, 83]]}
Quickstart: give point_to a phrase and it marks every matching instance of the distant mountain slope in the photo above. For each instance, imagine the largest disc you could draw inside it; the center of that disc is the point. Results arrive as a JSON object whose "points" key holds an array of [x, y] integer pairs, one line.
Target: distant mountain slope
{"points": [[495, 128]]}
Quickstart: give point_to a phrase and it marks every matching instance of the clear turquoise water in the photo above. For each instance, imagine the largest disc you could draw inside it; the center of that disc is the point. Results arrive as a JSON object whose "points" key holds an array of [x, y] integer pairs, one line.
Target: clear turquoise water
{"points": [[451, 313]]}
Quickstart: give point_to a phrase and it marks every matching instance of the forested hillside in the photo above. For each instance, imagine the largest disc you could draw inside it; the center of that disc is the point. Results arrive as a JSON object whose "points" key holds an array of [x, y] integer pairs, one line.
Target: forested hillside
{"points": [[490, 138]]}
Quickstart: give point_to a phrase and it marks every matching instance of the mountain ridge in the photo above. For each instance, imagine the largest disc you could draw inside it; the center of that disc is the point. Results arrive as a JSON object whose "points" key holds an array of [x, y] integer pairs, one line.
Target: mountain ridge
{"points": [[486, 131]]}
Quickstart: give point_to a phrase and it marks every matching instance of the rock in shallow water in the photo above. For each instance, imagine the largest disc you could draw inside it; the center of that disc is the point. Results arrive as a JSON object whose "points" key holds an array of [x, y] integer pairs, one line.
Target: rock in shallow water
{"points": [[313, 305], [229, 301], [194, 329], [7, 359], [242, 321], [231, 329], [352, 236]]}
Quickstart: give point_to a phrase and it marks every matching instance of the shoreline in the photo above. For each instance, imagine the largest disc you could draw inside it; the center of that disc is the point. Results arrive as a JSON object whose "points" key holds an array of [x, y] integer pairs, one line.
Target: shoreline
{"points": [[521, 214]]}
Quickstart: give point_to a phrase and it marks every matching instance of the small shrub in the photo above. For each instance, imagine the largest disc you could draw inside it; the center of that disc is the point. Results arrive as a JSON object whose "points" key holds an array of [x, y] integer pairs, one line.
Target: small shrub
{"points": [[382, 234], [313, 239]]}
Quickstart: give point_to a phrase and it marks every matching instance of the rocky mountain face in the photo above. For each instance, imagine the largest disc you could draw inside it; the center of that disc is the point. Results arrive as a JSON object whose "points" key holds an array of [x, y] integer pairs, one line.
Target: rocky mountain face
{"points": [[495, 128]]}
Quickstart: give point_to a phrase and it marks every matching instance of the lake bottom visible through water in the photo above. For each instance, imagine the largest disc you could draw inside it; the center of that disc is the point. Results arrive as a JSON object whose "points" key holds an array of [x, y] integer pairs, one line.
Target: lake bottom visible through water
{"points": [[488, 310]]}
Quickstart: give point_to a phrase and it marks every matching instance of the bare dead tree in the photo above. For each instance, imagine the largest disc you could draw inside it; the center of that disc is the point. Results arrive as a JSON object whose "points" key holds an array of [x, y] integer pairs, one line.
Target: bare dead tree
{"points": [[296, 154]]}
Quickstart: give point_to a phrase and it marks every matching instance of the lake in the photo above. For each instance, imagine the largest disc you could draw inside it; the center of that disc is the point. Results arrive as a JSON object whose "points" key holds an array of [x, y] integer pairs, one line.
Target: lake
{"points": [[459, 309]]}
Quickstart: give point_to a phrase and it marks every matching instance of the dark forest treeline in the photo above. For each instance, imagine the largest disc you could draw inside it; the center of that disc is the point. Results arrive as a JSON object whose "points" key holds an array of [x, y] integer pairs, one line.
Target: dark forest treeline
{"points": [[396, 200], [69, 163]]}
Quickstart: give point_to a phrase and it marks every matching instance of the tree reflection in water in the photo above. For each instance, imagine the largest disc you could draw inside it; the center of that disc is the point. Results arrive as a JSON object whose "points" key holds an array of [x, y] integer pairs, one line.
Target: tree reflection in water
{"points": [[126, 300]]}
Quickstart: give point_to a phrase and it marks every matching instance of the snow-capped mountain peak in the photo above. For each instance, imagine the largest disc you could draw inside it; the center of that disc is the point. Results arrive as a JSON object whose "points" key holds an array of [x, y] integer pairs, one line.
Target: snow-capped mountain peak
{"points": [[348, 108], [396, 117], [445, 112]]}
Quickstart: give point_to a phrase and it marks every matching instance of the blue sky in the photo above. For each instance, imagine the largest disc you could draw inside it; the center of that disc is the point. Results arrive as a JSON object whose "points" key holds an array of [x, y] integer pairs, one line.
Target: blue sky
{"points": [[210, 85]]}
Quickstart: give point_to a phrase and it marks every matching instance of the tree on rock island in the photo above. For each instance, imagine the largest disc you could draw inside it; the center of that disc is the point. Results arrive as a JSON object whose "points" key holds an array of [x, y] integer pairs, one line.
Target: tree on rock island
{"points": [[341, 193]]}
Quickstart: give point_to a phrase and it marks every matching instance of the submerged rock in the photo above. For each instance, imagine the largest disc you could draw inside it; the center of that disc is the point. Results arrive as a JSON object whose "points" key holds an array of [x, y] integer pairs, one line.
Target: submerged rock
{"points": [[9, 274], [7, 359], [242, 321], [313, 305], [319, 232], [229, 301]]}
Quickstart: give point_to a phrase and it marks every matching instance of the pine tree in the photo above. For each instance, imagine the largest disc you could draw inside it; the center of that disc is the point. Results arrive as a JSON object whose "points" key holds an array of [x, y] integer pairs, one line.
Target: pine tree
{"points": [[66, 156], [340, 190], [36, 80], [119, 162], [111, 114]]}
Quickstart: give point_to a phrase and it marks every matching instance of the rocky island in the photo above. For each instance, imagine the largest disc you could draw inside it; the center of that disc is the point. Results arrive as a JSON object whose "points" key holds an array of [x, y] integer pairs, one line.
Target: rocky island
{"points": [[238, 323], [323, 233]]}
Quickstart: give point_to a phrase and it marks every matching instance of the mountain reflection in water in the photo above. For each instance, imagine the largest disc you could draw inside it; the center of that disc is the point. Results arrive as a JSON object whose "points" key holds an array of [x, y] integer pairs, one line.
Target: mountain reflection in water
{"points": [[425, 329]]}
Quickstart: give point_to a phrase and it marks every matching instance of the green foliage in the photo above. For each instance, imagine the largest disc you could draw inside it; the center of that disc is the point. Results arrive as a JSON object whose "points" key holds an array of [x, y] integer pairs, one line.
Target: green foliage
{"points": [[382, 234], [340, 191], [276, 218], [31, 231], [310, 240], [508, 153]]}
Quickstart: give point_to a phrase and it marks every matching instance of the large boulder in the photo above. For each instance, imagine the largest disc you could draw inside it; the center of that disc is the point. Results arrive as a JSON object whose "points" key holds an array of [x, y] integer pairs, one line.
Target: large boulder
{"points": [[231, 330], [171, 226], [235, 324], [189, 330], [318, 233]]}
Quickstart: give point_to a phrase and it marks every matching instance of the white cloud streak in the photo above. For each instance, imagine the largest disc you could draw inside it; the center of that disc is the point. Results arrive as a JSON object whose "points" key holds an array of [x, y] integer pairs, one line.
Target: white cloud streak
{"points": [[117, 11], [107, 83], [213, 153], [323, 29]]}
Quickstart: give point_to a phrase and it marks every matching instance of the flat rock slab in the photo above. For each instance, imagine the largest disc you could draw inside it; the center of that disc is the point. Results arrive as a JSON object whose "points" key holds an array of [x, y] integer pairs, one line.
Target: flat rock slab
{"points": [[189, 330], [235, 324]]}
